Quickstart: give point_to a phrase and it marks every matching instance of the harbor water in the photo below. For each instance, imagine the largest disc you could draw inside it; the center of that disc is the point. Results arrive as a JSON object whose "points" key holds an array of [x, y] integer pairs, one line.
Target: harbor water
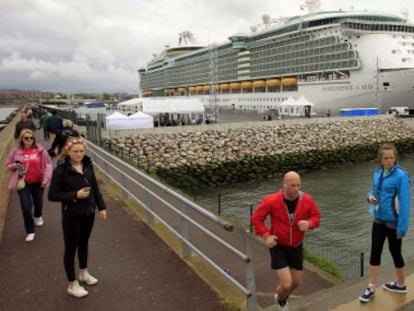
{"points": [[340, 193]]}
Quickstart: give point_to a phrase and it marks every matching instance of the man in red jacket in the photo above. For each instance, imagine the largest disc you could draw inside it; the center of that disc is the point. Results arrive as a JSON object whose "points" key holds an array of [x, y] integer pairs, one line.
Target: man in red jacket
{"points": [[292, 212]]}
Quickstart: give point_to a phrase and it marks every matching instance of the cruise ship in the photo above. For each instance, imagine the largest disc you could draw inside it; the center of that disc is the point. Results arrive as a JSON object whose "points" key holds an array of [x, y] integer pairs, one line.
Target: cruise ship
{"points": [[336, 59]]}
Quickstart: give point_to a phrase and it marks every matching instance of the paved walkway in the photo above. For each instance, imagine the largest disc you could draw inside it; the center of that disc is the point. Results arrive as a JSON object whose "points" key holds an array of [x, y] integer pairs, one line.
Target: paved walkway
{"points": [[136, 269]]}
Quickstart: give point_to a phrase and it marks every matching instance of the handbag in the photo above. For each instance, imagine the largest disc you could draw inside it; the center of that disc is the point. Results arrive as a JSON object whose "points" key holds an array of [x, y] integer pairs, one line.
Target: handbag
{"points": [[20, 183]]}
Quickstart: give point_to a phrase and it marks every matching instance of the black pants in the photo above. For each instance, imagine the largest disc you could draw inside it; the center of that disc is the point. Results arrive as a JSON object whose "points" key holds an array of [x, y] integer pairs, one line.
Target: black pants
{"points": [[76, 233], [379, 233]]}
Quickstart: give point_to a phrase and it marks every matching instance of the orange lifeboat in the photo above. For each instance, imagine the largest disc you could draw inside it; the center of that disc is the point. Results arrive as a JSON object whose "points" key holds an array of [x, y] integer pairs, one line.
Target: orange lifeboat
{"points": [[235, 86], [273, 82], [192, 89], [206, 88], [199, 88], [289, 81], [181, 90], [246, 85], [259, 83], [224, 86]]}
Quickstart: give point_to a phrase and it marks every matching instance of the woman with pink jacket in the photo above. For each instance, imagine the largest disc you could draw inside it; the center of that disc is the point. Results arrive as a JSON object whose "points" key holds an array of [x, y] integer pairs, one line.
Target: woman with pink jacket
{"points": [[31, 162]]}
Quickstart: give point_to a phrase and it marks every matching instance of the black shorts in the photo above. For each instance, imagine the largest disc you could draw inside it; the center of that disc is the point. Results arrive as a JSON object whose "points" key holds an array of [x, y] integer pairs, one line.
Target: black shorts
{"points": [[282, 257]]}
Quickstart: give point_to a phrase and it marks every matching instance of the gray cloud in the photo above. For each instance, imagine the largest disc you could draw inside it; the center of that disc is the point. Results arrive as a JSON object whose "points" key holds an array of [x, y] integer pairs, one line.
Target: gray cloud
{"points": [[97, 46]]}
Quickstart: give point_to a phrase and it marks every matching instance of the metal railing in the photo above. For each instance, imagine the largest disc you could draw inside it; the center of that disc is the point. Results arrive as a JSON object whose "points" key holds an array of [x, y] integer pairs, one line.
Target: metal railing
{"points": [[201, 232]]}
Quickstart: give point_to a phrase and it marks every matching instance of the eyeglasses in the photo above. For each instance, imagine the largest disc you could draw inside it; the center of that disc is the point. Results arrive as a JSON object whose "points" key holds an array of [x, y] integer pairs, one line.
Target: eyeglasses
{"points": [[28, 138]]}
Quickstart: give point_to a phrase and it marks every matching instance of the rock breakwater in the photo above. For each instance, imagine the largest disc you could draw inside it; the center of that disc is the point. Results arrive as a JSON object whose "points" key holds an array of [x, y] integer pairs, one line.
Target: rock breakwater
{"points": [[215, 157]]}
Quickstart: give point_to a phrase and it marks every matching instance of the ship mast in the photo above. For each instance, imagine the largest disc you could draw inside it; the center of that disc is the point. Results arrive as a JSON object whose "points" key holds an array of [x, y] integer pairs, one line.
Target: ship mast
{"points": [[213, 82]]}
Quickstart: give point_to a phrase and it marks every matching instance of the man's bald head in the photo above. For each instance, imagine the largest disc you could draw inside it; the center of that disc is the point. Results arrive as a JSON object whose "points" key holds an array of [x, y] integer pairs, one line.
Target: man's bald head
{"points": [[291, 184]]}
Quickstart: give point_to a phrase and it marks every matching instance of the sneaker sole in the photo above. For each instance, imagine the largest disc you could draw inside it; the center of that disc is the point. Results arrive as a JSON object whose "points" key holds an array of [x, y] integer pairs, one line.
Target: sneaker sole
{"points": [[364, 300], [395, 290]]}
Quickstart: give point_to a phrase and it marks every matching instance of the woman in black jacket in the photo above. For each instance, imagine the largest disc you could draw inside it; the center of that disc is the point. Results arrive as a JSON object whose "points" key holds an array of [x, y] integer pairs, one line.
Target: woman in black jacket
{"points": [[74, 184]]}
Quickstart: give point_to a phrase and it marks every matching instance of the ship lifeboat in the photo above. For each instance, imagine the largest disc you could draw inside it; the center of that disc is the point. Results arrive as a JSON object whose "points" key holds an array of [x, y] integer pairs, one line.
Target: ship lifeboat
{"points": [[289, 81], [192, 89], [246, 85], [259, 83], [273, 82], [206, 88], [235, 86], [181, 90], [199, 88], [224, 87]]}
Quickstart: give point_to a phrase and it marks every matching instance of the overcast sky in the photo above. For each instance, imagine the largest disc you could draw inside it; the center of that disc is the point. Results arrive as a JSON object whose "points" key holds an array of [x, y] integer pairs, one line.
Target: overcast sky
{"points": [[98, 45]]}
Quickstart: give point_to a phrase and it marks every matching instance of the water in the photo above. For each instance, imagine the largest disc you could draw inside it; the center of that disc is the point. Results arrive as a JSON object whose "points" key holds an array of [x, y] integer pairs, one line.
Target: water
{"points": [[341, 194]]}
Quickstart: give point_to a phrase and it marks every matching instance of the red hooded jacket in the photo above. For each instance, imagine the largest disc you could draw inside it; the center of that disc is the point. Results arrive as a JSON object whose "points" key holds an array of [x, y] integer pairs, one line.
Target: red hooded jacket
{"points": [[287, 232]]}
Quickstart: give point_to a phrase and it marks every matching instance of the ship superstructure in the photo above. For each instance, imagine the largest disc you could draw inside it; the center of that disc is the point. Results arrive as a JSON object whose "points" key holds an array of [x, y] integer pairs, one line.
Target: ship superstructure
{"points": [[334, 59]]}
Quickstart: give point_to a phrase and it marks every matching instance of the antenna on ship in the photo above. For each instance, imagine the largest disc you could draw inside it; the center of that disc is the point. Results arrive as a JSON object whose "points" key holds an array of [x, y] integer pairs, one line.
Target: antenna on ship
{"points": [[186, 37], [311, 5]]}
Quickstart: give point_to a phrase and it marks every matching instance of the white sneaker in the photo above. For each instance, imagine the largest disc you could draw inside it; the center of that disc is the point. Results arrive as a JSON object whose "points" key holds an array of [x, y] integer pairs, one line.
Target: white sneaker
{"points": [[38, 221], [76, 290], [30, 237], [279, 307], [87, 278]]}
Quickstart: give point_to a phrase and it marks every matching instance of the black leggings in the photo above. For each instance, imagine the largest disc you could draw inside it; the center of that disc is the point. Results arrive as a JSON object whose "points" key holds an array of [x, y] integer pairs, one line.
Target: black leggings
{"points": [[379, 233], [76, 233]]}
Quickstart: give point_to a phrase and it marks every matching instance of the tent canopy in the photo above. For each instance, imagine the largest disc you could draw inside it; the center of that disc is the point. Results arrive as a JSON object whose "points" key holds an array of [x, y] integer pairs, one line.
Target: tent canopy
{"points": [[118, 121], [131, 102], [176, 105], [141, 116]]}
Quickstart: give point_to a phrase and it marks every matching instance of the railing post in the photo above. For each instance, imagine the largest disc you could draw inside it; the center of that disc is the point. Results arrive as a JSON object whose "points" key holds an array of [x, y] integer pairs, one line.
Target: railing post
{"points": [[250, 219], [185, 233], [250, 280], [150, 217], [219, 203], [362, 264]]}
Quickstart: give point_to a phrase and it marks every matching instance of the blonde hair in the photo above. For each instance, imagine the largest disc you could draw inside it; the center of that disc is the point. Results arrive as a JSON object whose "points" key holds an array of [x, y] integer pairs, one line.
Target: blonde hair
{"points": [[70, 141], [24, 132]]}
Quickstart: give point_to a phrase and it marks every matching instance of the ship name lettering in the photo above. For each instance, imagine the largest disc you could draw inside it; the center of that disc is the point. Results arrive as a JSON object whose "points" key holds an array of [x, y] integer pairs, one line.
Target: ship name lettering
{"points": [[337, 88], [367, 86]]}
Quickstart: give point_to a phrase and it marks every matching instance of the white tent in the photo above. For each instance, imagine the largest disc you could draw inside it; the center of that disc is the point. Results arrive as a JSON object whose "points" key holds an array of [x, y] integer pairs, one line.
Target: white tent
{"points": [[296, 107], [133, 104], [116, 121], [142, 120], [176, 105]]}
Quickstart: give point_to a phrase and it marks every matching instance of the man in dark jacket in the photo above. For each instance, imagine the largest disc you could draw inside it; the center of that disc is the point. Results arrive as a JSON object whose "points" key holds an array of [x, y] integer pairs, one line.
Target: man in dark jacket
{"points": [[54, 125], [24, 123]]}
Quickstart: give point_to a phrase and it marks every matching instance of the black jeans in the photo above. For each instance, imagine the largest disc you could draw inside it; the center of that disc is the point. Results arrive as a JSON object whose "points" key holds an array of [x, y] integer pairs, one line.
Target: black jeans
{"points": [[379, 233], [31, 195], [76, 233]]}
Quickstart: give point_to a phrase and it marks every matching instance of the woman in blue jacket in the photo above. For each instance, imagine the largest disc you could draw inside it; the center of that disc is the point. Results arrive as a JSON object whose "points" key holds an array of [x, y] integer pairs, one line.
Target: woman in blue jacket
{"points": [[390, 206]]}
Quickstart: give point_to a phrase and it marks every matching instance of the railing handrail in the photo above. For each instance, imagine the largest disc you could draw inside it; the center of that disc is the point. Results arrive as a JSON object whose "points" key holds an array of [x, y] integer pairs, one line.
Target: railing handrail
{"points": [[249, 290]]}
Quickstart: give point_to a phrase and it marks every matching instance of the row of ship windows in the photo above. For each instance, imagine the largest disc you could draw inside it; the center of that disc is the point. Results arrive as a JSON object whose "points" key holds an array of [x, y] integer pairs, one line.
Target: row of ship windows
{"points": [[259, 72], [347, 59], [344, 46], [299, 57], [298, 45], [342, 65], [305, 60], [262, 57]]}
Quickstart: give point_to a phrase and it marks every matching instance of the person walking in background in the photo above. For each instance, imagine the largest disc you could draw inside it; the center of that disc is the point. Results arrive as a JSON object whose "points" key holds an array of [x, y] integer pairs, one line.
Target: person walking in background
{"points": [[390, 201], [43, 124], [54, 125], [23, 123], [61, 137], [292, 213], [30, 162], [74, 184]]}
